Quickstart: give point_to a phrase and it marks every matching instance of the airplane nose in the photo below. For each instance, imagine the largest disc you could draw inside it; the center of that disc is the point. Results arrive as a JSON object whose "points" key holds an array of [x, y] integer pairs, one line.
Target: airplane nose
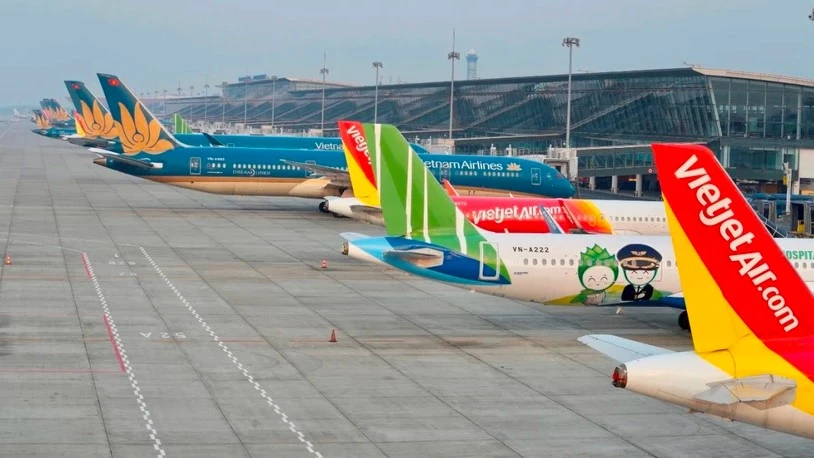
{"points": [[100, 161], [567, 188]]}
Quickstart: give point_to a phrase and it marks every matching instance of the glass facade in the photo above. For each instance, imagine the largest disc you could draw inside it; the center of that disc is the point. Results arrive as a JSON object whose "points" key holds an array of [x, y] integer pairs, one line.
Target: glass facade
{"points": [[753, 122]]}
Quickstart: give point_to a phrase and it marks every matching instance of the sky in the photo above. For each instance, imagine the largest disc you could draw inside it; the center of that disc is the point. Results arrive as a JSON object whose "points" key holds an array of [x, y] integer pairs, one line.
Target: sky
{"points": [[157, 44]]}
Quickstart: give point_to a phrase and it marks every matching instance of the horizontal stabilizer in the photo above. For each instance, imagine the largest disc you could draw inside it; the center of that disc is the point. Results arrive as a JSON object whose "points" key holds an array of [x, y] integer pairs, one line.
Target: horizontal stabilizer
{"points": [[422, 257], [87, 142], [212, 140], [366, 209], [760, 391], [620, 349], [351, 236], [126, 159]]}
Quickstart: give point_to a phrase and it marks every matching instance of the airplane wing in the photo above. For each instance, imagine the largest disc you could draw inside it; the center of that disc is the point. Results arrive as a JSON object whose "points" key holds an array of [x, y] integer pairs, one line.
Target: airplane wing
{"points": [[351, 236], [620, 349], [121, 158], [339, 178], [87, 142], [553, 226]]}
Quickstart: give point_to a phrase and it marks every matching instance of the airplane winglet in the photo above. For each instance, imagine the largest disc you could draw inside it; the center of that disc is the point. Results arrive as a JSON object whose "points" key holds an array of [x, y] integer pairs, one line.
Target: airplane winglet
{"points": [[212, 140], [449, 188]]}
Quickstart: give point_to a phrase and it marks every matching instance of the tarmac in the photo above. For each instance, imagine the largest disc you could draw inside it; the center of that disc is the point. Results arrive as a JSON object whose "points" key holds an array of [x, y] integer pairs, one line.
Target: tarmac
{"points": [[138, 319]]}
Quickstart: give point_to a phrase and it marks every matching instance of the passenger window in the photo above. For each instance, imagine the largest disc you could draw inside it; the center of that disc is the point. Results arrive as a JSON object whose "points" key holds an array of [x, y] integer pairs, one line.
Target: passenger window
{"points": [[669, 263], [526, 262], [562, 262], [570, 262], [543, 262], [534, 261], [796, 265]]}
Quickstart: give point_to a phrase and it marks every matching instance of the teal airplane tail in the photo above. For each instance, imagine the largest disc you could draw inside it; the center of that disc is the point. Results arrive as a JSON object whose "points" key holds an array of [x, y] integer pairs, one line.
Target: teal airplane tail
{"points": [[95, 118], [139, 131]]}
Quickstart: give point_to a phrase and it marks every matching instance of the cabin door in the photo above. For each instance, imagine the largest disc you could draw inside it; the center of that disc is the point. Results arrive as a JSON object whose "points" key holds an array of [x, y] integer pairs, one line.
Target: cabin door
{"points": [[489, 257]]}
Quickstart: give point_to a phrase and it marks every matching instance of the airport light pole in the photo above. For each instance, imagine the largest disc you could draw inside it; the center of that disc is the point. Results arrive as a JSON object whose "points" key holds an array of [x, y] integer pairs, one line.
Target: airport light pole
{"points": [[191, 94], [452, 56], [206, 101], [245, 100], [377, 65], [165, 103], [324, 71], [569, 42], [273, 94]]}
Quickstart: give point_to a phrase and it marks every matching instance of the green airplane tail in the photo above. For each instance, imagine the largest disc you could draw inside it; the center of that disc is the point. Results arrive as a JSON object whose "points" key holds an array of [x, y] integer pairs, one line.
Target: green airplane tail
{"points": [[414, 204], [180, 125], [138, 130]]}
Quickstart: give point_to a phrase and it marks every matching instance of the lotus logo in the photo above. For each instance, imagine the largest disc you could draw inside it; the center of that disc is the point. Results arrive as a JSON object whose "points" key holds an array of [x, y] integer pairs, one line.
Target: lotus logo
{"points": [[139, 136], [514, 167], [96, 123]]}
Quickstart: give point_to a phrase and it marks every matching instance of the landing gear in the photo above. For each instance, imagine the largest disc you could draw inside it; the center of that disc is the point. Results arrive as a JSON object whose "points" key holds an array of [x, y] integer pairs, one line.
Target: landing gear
{"points": [[323, 207], [684, 321]]}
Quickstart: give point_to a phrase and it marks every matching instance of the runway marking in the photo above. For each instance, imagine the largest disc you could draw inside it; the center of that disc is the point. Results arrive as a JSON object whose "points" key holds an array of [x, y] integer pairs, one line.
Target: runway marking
{"points": [[113, 342], [291, 426], [85, 263], [124, 360]]}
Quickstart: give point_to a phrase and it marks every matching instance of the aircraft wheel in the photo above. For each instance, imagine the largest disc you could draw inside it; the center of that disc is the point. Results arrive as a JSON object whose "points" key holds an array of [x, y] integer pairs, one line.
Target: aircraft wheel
{"points": [[684, 321], [323, 207]]}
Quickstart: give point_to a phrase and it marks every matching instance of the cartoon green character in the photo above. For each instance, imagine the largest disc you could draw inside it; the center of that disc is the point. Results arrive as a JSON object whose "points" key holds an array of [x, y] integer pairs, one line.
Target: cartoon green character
{"points": [[598, 270]]}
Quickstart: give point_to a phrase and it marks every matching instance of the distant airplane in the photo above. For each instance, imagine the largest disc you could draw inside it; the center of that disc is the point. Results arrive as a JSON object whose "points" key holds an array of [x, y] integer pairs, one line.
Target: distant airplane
{"points": [[429, 236], [45, 128], [151, 152], [751, 315]]}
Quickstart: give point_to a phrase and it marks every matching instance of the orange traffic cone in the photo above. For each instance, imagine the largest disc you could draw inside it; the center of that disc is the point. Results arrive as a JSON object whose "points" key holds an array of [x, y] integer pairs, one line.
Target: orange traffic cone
{"points": [[333, 336], [8, 260], [324, 264]]}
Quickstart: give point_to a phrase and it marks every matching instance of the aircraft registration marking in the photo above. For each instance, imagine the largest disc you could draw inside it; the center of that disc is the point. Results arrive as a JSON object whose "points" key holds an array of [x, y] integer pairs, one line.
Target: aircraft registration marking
{"points": [[530, 249]]}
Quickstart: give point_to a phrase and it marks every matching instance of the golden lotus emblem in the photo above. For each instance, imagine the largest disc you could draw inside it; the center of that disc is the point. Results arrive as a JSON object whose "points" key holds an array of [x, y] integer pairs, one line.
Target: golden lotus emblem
{"points": [[139, 136], [96, 123]]}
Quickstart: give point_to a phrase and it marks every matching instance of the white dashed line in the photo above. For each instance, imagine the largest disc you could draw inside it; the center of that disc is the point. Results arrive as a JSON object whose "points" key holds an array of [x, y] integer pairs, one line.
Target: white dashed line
{"points": [[145, 413], [291, 426]]}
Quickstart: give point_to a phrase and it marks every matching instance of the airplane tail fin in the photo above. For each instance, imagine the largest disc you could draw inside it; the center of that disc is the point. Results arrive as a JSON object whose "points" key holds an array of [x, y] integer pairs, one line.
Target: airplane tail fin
{"points": [[40, 119], [735, 279], [180, 125], [413, 202], [80, 131], [451, 189], [360, 168], [95, 119], [139, 131]]}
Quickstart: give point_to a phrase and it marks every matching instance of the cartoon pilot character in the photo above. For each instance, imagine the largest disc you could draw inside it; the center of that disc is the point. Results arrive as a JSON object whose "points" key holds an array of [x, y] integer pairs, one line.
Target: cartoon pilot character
{"points": [[640, 264], [597, 272]]}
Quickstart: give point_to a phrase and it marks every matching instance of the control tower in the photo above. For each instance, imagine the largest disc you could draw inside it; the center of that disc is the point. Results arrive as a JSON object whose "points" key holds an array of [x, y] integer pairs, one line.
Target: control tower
{"points": [[471, 65]]}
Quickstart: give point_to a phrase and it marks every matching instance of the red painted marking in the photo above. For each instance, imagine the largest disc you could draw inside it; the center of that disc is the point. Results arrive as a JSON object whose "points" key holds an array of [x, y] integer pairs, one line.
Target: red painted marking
{"points": [[60, 371], [113, 342], [85, 263]]}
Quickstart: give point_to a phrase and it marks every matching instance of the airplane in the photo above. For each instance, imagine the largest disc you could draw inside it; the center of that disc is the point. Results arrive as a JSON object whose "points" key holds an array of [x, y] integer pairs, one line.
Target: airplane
{"points": [[100, 130], [45, 128], [752, 359], [428, 236], [498, 213], [151, 152], [55, 114]]}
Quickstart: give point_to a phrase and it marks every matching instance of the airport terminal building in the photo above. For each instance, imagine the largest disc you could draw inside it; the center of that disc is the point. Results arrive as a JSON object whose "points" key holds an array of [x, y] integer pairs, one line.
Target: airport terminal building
{"points": [[754, 122]]}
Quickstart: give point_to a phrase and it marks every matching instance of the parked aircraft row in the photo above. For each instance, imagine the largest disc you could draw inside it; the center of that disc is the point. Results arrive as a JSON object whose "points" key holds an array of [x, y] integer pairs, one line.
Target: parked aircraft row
{"points": [[749, 331]]}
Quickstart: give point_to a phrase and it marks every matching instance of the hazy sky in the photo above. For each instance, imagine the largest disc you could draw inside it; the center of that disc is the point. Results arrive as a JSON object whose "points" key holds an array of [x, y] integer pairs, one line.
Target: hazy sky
{"points": [[154, 44]]}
